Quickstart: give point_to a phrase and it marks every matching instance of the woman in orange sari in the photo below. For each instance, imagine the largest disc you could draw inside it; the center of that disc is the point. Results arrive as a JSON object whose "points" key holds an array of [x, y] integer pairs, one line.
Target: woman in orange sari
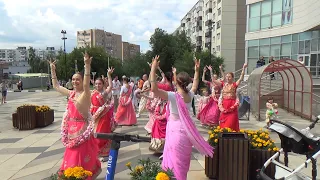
{"points": [[102, 111], [228, 102], [77, 123], [125, 113]]}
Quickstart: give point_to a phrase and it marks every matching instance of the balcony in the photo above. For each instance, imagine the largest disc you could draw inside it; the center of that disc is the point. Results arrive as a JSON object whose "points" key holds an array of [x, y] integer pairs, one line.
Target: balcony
{"points": [[209, 11], [199, 28], [199, 38], [199, 8], [183, 24], [199, 18], [207, 34], [188, 19], [207, 44], [208, 22]]}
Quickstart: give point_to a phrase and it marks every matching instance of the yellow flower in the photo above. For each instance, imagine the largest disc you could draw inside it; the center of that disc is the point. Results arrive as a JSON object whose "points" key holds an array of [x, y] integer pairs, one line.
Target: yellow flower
{"points": [[209, 132], [218, 127], [275, 149], [162, 176], [216, 140], [139, 168], [128, 164], [259, 144], [211, 136]]}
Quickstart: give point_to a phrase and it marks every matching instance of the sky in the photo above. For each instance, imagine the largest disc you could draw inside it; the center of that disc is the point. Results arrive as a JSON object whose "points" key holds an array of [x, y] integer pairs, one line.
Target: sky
{"points": [[38, 23]]}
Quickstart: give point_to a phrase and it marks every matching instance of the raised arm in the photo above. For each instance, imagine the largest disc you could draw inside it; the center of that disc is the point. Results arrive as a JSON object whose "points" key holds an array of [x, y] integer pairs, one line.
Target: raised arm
{"points": [[154, 87], [221, 72], [109, 88], [204, 76], [55, 82], [174, 72], [195, 83], [242, 74]]}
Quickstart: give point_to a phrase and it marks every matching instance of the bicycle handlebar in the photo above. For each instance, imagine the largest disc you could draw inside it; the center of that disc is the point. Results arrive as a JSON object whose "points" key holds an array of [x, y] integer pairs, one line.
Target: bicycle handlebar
{"points": [[315, 122], [122, 137]]}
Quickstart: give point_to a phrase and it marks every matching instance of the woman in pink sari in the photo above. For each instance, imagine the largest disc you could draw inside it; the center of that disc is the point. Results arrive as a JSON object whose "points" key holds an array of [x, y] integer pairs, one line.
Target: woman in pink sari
{"points": [[181, 132], [208, 108], [77, 124], [229, 102], [125, 113], [102, 111]]}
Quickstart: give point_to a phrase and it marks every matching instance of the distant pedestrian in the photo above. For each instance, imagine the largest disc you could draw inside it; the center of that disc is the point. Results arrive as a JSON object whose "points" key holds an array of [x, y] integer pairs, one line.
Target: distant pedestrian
{"points": [[272, 77], [261, 62], [4, 90]]}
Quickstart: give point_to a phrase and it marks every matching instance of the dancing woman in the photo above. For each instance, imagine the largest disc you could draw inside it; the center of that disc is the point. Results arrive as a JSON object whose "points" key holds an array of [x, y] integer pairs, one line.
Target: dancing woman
{"points": [[182, 133], [125, 113], [102, 110], [77, 124], [229, 103], [158, 115]]}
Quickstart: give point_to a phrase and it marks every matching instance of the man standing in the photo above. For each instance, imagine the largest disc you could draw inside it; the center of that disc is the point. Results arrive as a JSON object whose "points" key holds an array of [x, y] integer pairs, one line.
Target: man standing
{"points": [[4, 90], [116, 86]]}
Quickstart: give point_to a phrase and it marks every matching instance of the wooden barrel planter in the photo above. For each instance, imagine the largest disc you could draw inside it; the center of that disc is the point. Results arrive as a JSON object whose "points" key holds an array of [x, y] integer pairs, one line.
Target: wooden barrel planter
{"points": [[15, 120], [233, 156], [26, 117], [44, 119], [257, 158], [212, 165]]}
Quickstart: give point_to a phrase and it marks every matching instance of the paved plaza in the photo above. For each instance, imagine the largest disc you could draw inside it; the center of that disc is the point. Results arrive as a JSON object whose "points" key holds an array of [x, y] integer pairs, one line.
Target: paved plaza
{"points": [[36, 154]]}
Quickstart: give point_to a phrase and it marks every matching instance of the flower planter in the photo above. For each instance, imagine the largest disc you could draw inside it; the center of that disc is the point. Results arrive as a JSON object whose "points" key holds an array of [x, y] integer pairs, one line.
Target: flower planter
{"points": [[256, 160], [212, 165], [15, 120], [44, 118], [26, 116]]}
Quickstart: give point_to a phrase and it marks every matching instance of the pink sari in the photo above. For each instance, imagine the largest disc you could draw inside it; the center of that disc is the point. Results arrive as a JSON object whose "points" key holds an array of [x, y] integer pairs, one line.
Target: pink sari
{"points": [[150, 107], [102, 112], [81, 147], [125, 113], [209, 112], [182, 134]]}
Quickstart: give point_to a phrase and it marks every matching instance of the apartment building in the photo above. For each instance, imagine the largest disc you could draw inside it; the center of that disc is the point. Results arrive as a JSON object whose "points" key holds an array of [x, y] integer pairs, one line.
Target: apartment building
{"points": [[44, 54], [219, 26], [10, 55], [111, 42], [284, 29], [129, 50]]}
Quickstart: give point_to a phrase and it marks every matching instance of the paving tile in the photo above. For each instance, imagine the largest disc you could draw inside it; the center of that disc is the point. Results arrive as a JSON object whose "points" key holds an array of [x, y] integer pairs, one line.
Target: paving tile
{"points": [[46, 141], [11, 150], [18, 161], [33, 150], [10, 140], [51, 153], [43, 131], [7, 174]]}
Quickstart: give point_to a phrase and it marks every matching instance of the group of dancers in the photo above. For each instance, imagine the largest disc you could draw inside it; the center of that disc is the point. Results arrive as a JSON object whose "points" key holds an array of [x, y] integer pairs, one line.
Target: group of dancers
{"points": [[168, 102]]}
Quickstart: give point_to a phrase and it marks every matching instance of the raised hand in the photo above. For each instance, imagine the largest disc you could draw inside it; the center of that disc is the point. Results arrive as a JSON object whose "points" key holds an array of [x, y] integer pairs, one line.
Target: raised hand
{"points": [[205, 69], [220, 67], [174, 70], [110, 70], [86, 58], [155, 62], [52, 64], [197, 64], [245, 66], [209, 67], [149, 64]]}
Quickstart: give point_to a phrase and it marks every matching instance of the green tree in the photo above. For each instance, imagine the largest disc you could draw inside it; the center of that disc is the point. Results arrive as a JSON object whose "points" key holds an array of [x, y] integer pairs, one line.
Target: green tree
{"points": [[33, 61], [137, 66]]}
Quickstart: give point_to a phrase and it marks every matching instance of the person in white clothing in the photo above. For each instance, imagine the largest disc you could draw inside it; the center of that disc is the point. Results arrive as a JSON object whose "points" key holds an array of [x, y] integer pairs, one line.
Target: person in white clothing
{"points": [[116, 86]]}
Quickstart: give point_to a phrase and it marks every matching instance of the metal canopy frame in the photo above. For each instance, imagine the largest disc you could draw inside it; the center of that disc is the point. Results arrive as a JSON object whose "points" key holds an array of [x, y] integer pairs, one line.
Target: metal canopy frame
{"points": [[297, 87]]}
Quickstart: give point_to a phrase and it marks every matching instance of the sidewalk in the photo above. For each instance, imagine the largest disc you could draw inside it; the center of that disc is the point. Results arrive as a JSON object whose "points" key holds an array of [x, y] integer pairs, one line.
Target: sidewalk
{"points": [[36, 154]]}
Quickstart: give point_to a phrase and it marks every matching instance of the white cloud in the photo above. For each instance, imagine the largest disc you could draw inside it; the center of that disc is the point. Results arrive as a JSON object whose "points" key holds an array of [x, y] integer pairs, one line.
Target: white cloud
{"points": [[2, 33], [40, 21]]}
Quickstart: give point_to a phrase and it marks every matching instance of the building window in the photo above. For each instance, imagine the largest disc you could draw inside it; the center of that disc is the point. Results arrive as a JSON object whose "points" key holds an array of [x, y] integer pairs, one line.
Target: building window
{"points": [[218, 48], [219, 1], [219, 11], [218, 24], [218, 36], [269, 14]]}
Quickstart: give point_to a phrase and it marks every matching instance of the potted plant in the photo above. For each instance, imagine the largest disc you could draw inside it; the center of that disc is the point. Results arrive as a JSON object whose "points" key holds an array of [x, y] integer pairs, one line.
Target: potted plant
{"points": [[44, 116], [72, 173], [24, 118], [147, 169], [212, 164]]}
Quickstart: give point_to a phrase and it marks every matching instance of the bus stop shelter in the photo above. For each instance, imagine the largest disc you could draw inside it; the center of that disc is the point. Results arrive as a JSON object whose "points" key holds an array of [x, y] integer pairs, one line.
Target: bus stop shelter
{"points": [[293, 91]]}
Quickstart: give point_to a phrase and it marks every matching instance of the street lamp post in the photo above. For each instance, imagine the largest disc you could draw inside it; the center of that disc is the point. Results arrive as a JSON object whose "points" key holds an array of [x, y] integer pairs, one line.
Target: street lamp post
{"points": [[64, 32]]}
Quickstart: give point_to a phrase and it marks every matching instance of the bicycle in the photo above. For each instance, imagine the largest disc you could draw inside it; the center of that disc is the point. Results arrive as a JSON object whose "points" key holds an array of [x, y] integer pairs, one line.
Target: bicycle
{"points": [[115, 146]]}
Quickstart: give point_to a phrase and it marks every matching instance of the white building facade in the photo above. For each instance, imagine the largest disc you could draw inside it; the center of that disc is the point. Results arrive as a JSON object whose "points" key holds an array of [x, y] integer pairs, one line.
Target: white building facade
{"points": [[220, 25], [284, 29]]}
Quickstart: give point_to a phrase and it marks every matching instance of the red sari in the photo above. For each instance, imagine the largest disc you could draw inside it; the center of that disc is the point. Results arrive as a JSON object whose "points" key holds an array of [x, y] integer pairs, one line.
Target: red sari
{"points": [[102, 112], [228, 106], [158, 132]]}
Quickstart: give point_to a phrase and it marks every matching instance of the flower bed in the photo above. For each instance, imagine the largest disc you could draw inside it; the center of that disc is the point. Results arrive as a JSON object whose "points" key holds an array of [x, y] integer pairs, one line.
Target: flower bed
{"points": [[147, 169], [262, 147], [29, 116], [75, 173]]}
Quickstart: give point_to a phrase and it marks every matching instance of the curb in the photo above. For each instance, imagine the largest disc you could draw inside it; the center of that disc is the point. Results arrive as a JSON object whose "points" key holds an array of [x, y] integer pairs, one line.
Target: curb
{"points": [[27, 91]]}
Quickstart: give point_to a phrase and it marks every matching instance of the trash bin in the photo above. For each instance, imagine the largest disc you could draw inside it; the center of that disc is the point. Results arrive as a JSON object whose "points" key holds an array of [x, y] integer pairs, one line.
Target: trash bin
{"points": [[233, 156]]}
